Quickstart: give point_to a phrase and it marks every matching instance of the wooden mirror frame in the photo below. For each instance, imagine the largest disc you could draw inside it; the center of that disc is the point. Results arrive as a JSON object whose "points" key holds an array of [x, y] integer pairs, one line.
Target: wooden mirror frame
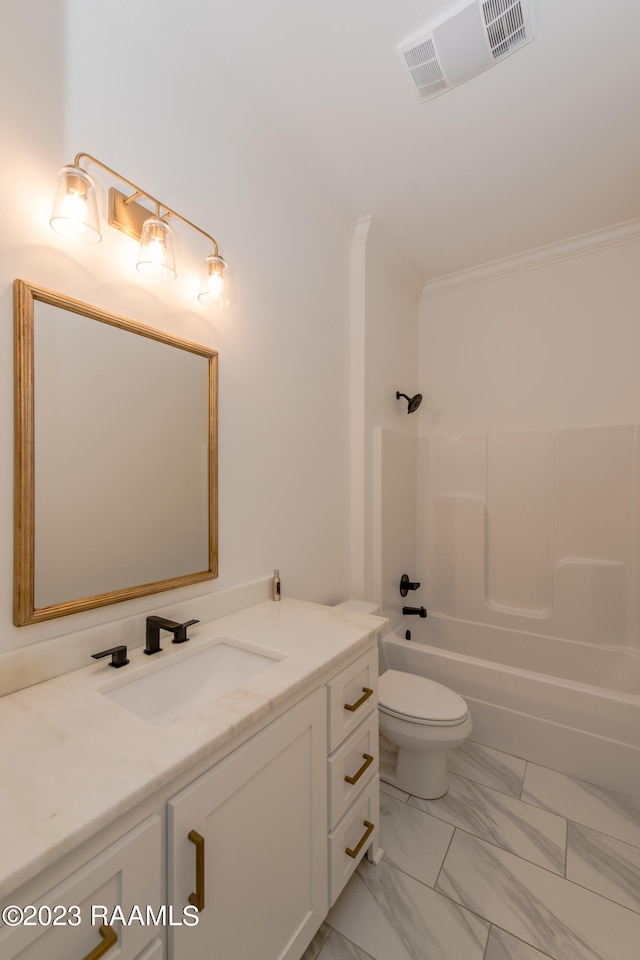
{"points": [[25, 611]]}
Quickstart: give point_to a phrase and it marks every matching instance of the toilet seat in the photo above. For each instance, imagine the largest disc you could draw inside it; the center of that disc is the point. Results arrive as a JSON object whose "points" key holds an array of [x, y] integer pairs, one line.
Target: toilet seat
{"points": [[418, 700]]}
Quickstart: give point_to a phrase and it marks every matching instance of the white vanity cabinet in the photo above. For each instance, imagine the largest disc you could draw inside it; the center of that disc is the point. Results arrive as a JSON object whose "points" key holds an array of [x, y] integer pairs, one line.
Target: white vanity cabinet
{"points": [[255, 826], [247, 843], [128, 873], [250, 836], [352, 769]]}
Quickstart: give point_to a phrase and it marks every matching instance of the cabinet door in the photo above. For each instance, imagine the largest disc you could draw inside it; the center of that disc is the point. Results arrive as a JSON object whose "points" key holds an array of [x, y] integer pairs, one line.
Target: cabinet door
{"points": [[153, 952], [262, 814], [127, 874]]}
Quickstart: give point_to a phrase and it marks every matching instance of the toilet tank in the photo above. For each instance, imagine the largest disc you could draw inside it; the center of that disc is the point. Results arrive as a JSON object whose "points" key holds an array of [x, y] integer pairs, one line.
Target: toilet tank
{"points": [[366, 606]]}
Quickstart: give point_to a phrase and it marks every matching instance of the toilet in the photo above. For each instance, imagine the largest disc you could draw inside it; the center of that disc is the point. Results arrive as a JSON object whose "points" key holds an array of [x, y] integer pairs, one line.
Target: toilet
{"points": [[421, 720], [424, 720]]}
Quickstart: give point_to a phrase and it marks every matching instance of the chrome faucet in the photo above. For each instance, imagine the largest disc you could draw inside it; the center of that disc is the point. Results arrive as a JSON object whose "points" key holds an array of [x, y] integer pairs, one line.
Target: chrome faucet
{"points": [[414, 612], [156, 624]]}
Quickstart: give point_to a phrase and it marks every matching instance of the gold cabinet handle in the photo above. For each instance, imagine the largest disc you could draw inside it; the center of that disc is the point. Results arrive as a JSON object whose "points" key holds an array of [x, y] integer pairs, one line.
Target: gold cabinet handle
{"points": [[368, 760], [197, 898], [109, 939], [363, 839], [366, 693]]}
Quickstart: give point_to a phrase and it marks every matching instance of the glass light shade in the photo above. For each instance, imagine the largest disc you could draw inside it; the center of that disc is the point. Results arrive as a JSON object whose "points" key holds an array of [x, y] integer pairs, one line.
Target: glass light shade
{"points": [[75, 210], [155, 259], [214, 288]]}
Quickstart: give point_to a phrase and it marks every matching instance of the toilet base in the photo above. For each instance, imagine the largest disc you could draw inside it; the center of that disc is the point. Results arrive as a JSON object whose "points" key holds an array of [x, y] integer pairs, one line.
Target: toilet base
{"points": [[418, 766], [426, 784], [428, 779]]}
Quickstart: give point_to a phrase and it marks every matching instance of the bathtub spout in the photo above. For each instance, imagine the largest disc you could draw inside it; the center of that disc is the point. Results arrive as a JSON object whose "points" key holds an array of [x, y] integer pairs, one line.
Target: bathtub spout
{"points": [[414, 612]]}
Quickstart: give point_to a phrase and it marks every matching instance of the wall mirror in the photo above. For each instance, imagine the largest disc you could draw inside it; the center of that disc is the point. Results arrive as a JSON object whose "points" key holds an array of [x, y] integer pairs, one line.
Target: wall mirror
{"points": [[115, 458]]}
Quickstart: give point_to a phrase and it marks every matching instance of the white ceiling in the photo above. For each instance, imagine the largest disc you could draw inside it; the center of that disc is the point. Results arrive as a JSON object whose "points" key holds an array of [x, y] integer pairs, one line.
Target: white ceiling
{"points": [[543, 146]]}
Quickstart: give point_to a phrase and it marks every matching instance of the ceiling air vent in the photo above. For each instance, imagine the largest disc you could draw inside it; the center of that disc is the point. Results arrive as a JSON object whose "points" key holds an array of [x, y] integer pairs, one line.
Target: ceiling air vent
{"points": [[475, 37]]}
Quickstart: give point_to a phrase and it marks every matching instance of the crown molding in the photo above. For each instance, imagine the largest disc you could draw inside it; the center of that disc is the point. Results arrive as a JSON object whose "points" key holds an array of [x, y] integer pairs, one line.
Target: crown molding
{"points": [[369, 233], [586, 243]]}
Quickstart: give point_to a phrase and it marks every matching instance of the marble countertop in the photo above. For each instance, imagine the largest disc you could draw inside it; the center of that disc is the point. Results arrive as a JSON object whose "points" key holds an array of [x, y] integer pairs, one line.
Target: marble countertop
{"points": [[72, 761]]}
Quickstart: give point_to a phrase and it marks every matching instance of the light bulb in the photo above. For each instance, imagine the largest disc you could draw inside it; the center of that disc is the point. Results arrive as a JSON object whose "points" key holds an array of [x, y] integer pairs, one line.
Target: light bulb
{"points": [[155, 259], [215, 284], [214, 287], [156, 252], [75, 211]]}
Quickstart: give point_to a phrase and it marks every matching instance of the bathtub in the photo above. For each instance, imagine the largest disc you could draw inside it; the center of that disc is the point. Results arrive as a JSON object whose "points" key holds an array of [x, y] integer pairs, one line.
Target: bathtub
{"points": [[569, 706]]}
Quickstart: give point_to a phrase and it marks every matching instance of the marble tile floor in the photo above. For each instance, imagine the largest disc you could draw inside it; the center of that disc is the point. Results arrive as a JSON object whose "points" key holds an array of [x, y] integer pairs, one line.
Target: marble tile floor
{"points": [[516, 862]]}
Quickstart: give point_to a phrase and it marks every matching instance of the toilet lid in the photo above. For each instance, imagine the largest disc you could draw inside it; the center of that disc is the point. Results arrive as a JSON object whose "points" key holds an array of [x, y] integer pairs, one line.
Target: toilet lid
{"points": [[419, 699]]}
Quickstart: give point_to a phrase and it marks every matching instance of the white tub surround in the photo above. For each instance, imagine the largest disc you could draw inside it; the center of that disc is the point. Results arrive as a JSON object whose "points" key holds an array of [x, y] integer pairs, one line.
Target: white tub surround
{"points": [[526, 704], [536, 531], [616, 669], [527, 550], [72, 762]]}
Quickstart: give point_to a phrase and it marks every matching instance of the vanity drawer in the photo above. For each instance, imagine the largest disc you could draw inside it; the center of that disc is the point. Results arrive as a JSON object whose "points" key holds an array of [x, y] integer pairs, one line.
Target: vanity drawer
{"points": [[353, 693], [125, 875], [350, 840], [356, 759]]}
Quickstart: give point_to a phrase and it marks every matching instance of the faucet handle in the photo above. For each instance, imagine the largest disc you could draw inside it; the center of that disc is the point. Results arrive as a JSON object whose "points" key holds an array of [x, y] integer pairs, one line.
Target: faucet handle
{"points": [[406, 585], [180, 633], [118, 656]]}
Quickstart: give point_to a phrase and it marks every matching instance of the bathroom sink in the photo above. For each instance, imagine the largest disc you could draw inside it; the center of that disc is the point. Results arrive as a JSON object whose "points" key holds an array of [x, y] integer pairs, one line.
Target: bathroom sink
{"points": [[180, 687]]}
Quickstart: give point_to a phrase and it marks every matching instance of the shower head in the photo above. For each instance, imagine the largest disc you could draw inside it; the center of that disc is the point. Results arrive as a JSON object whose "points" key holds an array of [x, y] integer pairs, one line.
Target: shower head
{"points": [[414, 402]]}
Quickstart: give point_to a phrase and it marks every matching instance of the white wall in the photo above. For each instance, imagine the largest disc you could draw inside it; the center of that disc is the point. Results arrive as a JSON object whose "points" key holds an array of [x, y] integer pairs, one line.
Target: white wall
{"points": [[397, 464], [553, 346], [384, 352], [127, 83]]}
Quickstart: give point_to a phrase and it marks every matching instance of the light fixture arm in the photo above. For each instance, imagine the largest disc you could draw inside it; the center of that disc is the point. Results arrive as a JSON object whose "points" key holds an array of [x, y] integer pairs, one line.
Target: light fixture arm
{"points": [[142, 193]]}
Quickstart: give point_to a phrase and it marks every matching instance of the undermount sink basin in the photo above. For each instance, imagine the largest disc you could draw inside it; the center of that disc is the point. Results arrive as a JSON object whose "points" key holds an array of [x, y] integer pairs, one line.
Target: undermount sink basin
{"points": [[182, 686]]}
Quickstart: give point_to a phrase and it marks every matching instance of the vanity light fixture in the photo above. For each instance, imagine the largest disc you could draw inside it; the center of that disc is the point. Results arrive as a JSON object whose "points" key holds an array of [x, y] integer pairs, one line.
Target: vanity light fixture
{"points": [[75, 216]]}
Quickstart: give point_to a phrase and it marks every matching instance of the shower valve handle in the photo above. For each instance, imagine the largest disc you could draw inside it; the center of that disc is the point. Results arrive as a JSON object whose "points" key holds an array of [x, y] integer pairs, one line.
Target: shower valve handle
{"points": [[406, 585]]}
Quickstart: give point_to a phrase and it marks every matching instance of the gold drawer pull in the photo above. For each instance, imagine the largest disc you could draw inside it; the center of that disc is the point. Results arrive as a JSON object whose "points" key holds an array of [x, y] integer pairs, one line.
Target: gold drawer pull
{"points": [[368, 760], [366, 693], [363, 839], [197, 898], [109, 939]]}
